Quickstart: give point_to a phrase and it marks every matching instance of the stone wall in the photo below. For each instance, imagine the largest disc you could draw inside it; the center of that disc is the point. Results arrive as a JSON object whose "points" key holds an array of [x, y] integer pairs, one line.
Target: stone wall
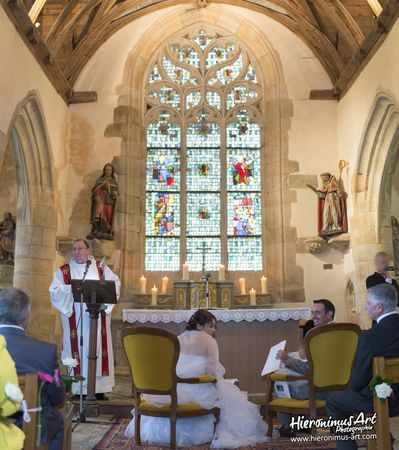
{"points": [[367, 124], [33, 121]]}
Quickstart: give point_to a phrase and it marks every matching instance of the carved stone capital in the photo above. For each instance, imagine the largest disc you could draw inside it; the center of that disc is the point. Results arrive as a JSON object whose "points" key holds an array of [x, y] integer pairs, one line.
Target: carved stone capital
{"points": [[315, 244]]}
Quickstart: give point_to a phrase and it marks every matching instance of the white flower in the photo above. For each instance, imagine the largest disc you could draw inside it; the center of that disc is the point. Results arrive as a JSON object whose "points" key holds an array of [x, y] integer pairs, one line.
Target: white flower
{"points": [[70, 362], [383, 390], [13, 392]]}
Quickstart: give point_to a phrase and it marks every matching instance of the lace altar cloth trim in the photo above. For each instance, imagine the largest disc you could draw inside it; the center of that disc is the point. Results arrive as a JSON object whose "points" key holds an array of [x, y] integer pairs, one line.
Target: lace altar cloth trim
{"points": [[236, 315]]}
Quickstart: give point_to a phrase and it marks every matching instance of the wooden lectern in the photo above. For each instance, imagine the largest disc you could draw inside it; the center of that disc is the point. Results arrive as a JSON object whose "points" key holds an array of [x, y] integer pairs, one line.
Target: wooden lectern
{"points": [[95, 294]]}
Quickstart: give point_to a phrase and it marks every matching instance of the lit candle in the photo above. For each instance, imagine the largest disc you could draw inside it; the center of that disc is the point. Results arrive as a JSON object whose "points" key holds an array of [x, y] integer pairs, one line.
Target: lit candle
{"points": [[154, 293], [241, 282], [263, 284], [165, 281], [185, 271], [143, 284], [222, 272], [252, 297]]}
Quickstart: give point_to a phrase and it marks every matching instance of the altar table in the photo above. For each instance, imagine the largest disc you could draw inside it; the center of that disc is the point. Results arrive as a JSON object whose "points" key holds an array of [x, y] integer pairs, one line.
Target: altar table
{"points": [[244, 336]]}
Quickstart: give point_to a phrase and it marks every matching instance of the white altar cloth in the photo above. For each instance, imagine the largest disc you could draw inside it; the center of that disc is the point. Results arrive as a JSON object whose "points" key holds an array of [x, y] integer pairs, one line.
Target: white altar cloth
{"points": [[222, 315]]}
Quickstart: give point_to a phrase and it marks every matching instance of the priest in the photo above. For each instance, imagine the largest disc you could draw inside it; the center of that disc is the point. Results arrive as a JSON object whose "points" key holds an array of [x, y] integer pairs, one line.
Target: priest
{"points": [[62, 299]]}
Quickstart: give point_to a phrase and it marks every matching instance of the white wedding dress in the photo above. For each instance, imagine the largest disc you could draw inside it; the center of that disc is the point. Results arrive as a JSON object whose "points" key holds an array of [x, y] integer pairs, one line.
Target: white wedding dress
{"points": [[240, 421]]}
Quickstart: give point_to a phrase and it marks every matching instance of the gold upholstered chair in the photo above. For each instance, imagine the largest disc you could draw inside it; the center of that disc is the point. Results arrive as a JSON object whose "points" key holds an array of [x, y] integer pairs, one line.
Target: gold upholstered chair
{"points": [[152, 354], [330, 351]]}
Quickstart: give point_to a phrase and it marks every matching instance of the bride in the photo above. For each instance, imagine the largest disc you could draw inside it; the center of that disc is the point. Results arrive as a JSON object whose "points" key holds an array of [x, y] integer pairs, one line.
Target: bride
{"points": [[240, 421]]}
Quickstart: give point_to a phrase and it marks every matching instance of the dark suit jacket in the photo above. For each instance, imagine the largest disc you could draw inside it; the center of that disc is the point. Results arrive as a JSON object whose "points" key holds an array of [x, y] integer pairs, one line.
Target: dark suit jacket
{"points": [[381, 340], [32, 355], [377, 278]]}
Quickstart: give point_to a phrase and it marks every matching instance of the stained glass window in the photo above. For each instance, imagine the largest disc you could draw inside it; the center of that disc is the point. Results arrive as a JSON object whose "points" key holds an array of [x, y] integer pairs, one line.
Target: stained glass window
{"points": [[203, 120], [203, 214]]}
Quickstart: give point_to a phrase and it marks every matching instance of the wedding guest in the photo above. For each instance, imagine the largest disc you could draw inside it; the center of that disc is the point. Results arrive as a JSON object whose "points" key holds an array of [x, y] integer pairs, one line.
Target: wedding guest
{"points": [[11, 437], [380, 340], [381, 261], [32, 355], [240, 421]]}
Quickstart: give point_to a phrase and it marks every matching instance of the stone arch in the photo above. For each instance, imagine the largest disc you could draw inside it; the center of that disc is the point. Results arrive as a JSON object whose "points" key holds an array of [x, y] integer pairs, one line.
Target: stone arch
{"points": [[351, 302], [286, 278], [372, 188], [36, 218]]}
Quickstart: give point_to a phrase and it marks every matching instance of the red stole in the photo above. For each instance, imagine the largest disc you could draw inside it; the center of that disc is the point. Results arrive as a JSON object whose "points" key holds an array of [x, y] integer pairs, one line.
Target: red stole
{"points": [[66, 273]]}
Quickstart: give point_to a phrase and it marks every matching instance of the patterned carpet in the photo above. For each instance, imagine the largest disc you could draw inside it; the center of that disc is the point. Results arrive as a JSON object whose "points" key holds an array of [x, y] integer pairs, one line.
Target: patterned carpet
{"points": [[114, 439]]}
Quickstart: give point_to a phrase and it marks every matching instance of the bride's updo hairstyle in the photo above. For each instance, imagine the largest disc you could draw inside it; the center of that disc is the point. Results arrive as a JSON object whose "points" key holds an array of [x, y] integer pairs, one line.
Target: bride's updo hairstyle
{"points": [[200, 317]]}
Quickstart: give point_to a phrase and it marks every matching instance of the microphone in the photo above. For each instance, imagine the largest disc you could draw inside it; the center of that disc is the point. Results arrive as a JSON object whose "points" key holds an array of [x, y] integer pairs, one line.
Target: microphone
{"points": [[88, 262]]}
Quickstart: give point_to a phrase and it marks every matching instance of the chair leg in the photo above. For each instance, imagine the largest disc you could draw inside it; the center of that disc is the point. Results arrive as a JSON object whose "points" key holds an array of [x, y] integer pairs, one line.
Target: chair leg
{"points": [[173, 430], [269, 421], [137, 436]]}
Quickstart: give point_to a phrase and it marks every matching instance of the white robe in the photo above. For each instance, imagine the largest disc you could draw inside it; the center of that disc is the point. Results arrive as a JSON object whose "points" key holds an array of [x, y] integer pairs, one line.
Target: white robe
{"points": [[62, 299]]}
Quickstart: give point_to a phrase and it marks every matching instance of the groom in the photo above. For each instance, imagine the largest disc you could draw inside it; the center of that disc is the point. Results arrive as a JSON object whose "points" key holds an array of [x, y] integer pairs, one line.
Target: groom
{"points": [[322, 312]]}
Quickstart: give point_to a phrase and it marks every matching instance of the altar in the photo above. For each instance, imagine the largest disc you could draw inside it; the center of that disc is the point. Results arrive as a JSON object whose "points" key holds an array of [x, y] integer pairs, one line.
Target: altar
{"points": [[244, 336]]}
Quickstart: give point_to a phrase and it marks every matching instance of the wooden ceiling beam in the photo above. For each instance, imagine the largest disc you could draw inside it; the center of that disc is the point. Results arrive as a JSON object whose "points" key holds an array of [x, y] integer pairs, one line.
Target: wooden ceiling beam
{"points": [[55, 37], [123, 13], [105, 6], [311, 13], [82, 97], [16, 12], [345, 24], [36, 10], [369, 46], [375, 5]]}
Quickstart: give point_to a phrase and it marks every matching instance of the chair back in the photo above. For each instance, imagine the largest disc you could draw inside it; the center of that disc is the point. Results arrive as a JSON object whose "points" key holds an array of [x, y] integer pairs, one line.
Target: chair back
{"points": [[387, 369], [29, 384], [152, 354], [331, 353]]}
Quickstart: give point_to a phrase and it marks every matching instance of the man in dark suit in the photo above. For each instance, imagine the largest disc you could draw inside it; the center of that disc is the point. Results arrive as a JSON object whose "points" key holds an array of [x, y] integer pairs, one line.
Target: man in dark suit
{"points": [[32, 355], [381, 275], [381, 340]]}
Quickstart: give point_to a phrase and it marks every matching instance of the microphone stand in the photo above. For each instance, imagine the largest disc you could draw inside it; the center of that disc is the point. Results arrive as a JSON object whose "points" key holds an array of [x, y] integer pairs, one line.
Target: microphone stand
{"points": [[205, 278], [81, 416]]}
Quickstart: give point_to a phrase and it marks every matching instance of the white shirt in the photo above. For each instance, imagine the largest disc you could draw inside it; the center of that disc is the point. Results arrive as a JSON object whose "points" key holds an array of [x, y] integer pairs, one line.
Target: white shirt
{"points": [[386, 315]]}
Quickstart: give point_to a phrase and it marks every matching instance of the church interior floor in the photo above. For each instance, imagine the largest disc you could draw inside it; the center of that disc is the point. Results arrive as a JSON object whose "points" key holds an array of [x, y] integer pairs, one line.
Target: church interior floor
{"points": [[87, 436]]}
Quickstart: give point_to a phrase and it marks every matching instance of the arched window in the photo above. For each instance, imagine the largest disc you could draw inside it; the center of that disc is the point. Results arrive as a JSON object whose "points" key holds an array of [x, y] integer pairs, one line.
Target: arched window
{"points": [[203, 188]]}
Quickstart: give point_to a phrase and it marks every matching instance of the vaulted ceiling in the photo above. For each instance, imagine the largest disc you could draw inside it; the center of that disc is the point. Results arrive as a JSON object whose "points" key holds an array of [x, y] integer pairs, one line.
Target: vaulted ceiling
{"points": [[66, 33]]}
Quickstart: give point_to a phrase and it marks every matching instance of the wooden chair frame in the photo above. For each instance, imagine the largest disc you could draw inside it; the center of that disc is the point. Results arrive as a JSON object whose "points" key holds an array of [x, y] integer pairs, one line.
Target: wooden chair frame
{"points": [[386, 368], [29, 384], [312, 410], [173, 414]]}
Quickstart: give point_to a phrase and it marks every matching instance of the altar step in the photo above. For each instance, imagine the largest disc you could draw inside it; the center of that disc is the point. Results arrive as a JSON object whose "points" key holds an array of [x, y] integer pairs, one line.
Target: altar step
{"points": [[113, 407]]}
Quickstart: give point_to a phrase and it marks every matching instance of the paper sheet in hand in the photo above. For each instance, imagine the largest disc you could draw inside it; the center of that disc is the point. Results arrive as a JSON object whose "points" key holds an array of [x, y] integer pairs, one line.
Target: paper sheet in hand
{"points": [[272, 364]]}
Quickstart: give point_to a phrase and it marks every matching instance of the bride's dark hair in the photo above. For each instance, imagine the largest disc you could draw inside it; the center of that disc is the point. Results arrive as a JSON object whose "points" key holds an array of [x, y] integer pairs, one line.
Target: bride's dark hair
{"points": [[200, 317]]}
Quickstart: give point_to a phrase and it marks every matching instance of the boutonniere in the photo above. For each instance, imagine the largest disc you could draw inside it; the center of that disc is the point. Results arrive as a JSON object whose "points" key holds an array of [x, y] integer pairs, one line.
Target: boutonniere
{"points": [[381, 387], [13, 394]]}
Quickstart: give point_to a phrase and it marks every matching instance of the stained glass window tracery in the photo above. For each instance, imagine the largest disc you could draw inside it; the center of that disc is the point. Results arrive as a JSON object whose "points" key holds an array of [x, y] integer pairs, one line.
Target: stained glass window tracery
{"points": [[203, 156]]}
